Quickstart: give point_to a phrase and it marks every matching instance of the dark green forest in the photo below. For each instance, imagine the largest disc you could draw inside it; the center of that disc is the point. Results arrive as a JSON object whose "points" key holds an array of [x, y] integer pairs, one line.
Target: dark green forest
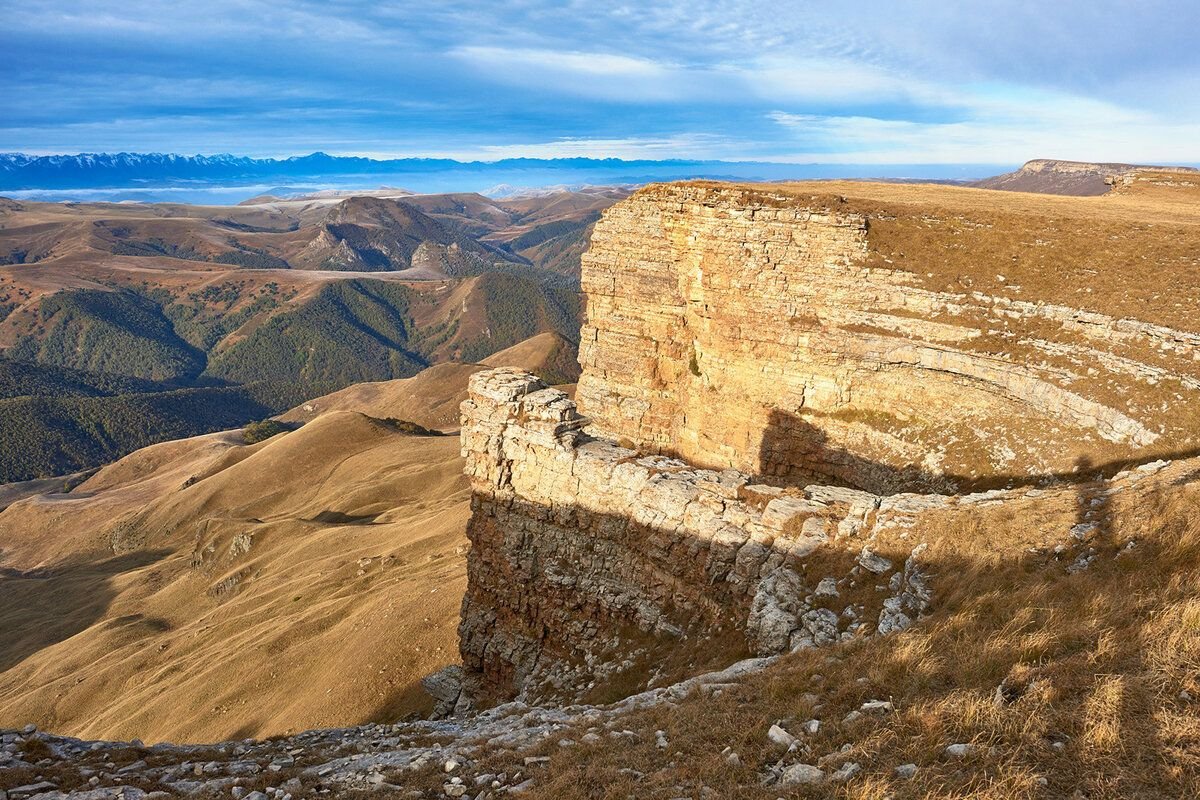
{"points": [[97, 374]]}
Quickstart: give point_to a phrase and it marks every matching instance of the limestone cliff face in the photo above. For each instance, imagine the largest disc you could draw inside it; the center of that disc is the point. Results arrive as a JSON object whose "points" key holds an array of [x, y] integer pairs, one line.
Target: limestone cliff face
{"points": [[746, 329], [593, 566], [765, 398]]}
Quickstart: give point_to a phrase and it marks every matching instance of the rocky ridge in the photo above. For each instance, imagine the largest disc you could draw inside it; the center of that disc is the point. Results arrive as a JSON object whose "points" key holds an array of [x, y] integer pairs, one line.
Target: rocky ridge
{"points": [[593, 565]]}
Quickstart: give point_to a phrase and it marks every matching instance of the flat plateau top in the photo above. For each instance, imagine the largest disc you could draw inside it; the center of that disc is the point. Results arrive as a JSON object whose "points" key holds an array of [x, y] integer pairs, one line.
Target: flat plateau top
{"points": [[1134, 252]]}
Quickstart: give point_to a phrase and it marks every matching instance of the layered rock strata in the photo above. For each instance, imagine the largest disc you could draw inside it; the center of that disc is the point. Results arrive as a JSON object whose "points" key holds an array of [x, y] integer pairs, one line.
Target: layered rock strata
{"points": [[757, 330], [596, 571], [763, 395], [592, 565]]}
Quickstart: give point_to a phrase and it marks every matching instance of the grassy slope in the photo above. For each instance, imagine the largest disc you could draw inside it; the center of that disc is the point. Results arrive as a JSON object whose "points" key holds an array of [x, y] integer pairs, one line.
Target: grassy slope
{"points": [[1093, 664], [201, 589]]}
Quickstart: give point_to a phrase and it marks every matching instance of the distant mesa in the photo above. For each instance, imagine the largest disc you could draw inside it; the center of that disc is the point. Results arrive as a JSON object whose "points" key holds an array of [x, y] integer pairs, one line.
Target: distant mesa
{"points": [[1082, 178]]}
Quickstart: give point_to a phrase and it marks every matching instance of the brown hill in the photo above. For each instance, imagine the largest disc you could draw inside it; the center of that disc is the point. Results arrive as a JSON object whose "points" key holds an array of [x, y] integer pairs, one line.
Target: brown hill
{"points": [[204, 589], [431, 397]]}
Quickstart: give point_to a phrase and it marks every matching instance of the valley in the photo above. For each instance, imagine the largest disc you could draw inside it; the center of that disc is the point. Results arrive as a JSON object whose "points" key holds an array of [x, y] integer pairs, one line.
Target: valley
{"points": [[124, 325]]}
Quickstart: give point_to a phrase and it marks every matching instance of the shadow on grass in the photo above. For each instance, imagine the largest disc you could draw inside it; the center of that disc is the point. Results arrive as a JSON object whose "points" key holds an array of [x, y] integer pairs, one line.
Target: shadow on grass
{"points": [[45, 607]]}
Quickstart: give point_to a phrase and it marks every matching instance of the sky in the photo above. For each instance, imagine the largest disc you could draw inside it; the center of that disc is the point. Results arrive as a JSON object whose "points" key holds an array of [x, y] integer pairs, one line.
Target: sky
{"points": [[869, 82]]}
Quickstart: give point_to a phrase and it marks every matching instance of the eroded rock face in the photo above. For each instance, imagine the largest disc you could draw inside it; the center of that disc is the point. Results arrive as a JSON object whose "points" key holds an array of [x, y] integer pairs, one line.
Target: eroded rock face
{"points": [[762, 393], [593, 566], [745, 329]]}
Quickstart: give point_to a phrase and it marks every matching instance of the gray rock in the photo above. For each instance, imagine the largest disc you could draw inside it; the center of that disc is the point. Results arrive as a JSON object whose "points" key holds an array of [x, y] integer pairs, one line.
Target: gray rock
{"points": [[445, 687], [958, 750], [827, 588], [821, 624], [892, 618], [906, 770], [778, 736], [847, 771], [872, 562], [801, 774], [773, 611]]}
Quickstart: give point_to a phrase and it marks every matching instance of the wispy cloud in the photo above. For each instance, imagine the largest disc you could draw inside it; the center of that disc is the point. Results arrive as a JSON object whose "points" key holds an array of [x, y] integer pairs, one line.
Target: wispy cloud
{"points": [[915, 82]]}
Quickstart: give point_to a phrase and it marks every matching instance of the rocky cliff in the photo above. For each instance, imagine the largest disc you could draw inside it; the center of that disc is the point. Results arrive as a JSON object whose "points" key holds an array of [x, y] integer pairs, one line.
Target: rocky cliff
{"points": [[764, 393], [594, 568], [772, 332]]}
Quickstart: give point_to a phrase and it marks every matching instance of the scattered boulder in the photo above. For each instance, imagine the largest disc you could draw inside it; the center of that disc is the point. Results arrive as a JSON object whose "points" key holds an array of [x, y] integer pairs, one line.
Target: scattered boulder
{"points": [[872, 562], [780, 737], [826, 589], [846, 772], [802, 774]]}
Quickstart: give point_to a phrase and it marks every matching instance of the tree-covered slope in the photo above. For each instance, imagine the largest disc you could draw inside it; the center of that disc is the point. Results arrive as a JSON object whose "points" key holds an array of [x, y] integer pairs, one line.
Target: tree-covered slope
{"points": [[55, 435], [351, 331], [114, 332]]}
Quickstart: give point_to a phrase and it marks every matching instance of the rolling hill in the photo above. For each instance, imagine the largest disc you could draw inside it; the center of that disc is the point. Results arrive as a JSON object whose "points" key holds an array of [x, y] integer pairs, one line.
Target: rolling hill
{"points": [[185, 591], [197, 318]]}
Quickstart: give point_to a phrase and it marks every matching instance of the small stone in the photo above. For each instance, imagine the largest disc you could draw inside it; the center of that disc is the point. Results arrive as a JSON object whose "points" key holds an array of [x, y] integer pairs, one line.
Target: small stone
{"points": [[256, 796], [29, 730], [958, 750], [827, 588], [877, 707], [780, 737], [1185, 696], [812, 726], [801, 774], [454, 789], [450, 766], [906, 770], [660, 740], [848, 771], [531, 761], [238, 792]]}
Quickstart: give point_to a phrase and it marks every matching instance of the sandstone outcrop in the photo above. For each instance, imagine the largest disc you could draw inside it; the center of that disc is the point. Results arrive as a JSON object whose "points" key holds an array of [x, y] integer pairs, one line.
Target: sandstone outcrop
{"points": [[762, 393], [759, 330], [593, 565]]}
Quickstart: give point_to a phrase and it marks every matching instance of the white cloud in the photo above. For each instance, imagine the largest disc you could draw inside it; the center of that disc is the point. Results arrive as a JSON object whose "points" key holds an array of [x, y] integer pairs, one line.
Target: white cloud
{"points": [[601, 75], [683, 146], [1086, 137]]}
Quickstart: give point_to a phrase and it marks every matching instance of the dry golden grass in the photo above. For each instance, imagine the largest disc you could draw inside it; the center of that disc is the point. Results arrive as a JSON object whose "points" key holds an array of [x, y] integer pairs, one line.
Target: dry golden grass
{"points": [[1135, 253], [306, 581], [1092, 666]]}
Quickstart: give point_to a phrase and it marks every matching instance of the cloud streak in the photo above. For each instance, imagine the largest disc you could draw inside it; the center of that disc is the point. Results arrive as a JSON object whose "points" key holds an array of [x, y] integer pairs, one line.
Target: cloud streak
{"points": [[914, 82]]}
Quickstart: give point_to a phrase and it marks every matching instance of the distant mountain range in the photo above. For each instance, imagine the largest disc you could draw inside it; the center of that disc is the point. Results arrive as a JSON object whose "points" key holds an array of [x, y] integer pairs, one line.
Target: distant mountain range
{"points": [[140, 171]]}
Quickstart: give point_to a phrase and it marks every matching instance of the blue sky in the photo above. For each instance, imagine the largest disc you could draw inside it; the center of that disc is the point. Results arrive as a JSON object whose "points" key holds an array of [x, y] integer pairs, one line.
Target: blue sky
{"points": [[863, 82]]}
